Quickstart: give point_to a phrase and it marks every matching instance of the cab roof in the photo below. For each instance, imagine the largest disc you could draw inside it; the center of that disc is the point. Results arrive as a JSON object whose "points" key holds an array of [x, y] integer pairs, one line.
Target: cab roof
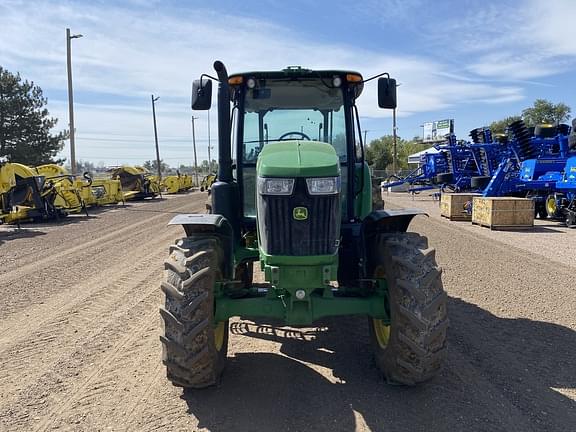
{"points": [[300, 72]]}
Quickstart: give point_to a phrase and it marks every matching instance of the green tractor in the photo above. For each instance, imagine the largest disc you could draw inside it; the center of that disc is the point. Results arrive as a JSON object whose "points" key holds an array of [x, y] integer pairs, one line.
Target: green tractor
{"points": [[298, 200]]}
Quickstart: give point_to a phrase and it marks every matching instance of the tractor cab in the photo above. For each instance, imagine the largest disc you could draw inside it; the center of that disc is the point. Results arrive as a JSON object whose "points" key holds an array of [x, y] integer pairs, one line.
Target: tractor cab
{"points": [[290, 113]]}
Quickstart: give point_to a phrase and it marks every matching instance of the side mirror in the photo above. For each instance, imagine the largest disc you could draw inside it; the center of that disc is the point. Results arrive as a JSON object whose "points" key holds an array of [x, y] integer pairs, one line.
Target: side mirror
{"points": [[387, 93], [201, 94]]}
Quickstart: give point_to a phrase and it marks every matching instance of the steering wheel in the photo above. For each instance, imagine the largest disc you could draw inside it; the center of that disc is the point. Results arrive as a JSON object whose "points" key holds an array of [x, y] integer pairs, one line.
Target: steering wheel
{"points": [[302, 135]]}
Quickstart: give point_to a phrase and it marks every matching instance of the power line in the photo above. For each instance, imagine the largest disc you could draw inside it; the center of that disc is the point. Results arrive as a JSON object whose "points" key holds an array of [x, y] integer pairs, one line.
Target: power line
{"points": [[128, 135], [182, 140], [143, 158]]}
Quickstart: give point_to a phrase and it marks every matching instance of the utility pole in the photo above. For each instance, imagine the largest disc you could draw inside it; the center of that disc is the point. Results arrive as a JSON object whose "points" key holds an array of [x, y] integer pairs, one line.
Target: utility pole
{"points": [[395, 138], [154, 99], [365, 133], [71, 99], [209, 144], [394, 155], [195, 159]]}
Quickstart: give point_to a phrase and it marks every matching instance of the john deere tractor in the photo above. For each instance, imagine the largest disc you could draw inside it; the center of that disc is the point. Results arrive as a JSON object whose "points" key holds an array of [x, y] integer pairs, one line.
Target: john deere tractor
{"points": [[297, 199]]}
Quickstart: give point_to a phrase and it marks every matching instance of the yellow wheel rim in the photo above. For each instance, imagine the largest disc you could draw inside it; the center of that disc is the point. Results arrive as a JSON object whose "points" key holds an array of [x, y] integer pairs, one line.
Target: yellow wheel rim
{"points": [[219, 332], [382, 332], [551, 206]]}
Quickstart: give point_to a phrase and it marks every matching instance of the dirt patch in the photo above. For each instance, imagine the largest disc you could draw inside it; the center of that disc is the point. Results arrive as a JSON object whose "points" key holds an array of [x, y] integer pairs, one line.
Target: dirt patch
{"points": [[79, 347]]}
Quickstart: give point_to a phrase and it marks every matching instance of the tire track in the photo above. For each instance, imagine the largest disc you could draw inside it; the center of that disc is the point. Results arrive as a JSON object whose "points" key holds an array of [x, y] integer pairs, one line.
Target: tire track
{"points": [[41, 360], [104, 371], [20, 294], [139, 404], [83, 248], [93, 292], [37, 358], [68, 365], [68, 319], [74, 394], [78, 227], [167, 411], [129, 379]]}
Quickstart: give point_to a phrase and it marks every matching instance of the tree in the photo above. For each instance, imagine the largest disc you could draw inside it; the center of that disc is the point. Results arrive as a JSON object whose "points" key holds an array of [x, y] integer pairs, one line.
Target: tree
{"points": [[379, 152], [152, 166], [25, 123], [499, 126], [406, 148], [545, 111]]}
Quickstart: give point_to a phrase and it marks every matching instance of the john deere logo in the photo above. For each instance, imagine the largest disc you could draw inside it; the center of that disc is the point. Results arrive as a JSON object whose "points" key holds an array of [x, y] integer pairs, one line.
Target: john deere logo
{"points": [[300, 213]]}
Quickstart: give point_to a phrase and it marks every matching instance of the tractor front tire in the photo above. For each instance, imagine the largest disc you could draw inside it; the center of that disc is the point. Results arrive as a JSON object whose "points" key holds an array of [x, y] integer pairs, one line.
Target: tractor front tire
{"points": [[411, 349], [194, 346]]}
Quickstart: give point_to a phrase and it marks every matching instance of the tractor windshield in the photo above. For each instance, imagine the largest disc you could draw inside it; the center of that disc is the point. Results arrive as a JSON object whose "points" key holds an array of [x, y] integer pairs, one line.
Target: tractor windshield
{"points": [[288, 109], [282, 109]]}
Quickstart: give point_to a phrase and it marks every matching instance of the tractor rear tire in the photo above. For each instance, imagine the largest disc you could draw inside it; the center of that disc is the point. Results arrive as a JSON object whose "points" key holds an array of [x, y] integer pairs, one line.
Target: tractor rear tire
{"points": [[193, 346], [412, 348]]}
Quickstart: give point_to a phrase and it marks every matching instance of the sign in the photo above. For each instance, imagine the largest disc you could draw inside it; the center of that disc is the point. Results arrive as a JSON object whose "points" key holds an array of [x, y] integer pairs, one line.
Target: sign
{"points": [[437, 130]]}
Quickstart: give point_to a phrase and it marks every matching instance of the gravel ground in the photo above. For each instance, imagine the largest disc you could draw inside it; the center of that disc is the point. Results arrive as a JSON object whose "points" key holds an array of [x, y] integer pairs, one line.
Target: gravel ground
{"points": [[549, 238], [79, 346]]}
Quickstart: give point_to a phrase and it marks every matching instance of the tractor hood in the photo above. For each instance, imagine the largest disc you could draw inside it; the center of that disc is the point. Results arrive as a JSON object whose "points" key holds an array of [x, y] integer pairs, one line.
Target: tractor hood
{"points": [[298, 159]]}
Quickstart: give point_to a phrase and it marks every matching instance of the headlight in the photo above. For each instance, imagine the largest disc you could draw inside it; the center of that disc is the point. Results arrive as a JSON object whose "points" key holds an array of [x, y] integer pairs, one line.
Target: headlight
{"points": [[275, 186], [323, 185]]}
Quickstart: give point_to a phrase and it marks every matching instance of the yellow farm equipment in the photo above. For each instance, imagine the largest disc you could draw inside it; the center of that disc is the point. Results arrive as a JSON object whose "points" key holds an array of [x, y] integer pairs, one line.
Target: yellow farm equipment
{"points": [[177, 183], [67, 188], [102, 191], [137, 182], [207, 182], [26, 195], [7, 182]]}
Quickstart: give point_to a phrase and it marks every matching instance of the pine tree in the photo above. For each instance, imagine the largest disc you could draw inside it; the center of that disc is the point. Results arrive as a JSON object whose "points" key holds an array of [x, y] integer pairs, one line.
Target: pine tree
{"points": [[25, 123]]}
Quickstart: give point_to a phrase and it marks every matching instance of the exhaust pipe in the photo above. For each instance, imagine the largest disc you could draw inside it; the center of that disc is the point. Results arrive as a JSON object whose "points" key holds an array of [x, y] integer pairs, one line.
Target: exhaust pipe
{"points": [[224, 141]]}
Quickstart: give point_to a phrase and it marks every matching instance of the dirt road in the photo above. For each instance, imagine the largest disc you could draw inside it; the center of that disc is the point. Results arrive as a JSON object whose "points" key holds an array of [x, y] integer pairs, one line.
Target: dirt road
{"points": [[79, 346]]}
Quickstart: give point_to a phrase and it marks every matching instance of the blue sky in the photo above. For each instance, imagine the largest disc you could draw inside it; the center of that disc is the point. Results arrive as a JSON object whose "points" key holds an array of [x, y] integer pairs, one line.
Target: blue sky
{"points": [[474, 61]]}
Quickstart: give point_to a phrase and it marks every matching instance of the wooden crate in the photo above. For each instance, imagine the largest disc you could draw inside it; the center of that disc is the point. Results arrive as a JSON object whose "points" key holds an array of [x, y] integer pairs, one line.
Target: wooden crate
{"points": [[452, 206], [503, 212]]}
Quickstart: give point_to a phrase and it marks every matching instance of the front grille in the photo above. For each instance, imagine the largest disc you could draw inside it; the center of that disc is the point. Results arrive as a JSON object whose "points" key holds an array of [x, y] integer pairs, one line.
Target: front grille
{"points": [[281, 234]]}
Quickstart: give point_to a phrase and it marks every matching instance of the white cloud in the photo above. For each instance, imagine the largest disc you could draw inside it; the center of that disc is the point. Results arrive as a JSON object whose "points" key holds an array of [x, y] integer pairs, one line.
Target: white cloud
{"points": [[127, 54], [514, 41]]}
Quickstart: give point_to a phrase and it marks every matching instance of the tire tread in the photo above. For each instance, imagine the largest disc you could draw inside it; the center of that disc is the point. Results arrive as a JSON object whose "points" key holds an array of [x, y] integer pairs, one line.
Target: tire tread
{"points": [[417, 344], [188, 348]]}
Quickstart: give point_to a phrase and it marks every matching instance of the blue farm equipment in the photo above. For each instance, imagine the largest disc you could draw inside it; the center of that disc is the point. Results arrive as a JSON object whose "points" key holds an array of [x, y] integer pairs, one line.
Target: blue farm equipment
{"points": [[423, 177], [562, 204], [534, 165], [488, 152], [450, 168], [461, 165]]}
